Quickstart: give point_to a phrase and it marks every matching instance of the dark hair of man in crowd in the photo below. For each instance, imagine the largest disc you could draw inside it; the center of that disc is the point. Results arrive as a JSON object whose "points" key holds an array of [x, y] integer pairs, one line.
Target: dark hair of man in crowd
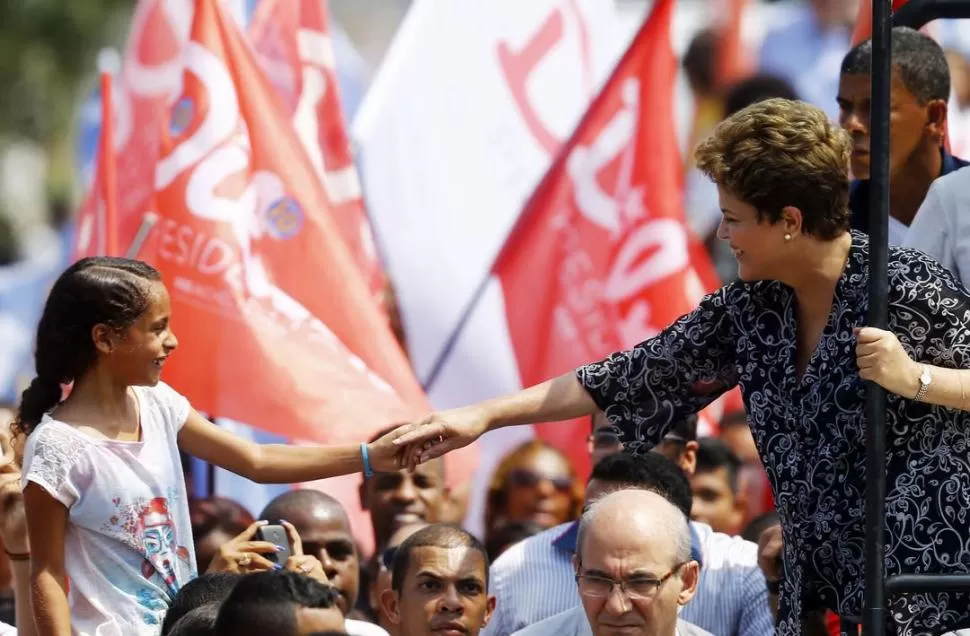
{"points": [[199, 622], [752, 531], [917, 59], [755, 89], [649, 471], [698, 61], [206, 589], [266, 603], [713, 454], [438, 535], [508, 534]]}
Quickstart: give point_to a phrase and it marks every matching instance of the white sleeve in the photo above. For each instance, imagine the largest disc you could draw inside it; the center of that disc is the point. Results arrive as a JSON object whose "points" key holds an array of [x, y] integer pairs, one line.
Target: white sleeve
{"points": [[174, 406], [53, 461], [930, 230]]}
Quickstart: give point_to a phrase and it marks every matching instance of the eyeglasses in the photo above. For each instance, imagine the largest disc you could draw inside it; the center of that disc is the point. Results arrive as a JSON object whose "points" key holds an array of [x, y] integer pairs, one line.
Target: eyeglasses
{"points": [[387, 558], [528, 479], [635, 589], [604, 440]]}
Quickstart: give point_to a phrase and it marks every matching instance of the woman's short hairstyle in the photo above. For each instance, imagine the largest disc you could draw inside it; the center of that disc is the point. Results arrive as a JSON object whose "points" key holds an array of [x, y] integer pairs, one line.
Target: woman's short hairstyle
{"points": [[779, 153]]}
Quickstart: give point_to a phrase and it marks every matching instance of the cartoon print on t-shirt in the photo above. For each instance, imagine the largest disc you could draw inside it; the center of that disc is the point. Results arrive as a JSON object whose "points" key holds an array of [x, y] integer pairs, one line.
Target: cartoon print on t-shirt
{"points": [[157, 532]]}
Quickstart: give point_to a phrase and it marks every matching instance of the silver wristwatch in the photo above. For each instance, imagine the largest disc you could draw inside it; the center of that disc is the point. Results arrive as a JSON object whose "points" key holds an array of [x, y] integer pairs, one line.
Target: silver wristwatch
{"points": [[925, 379]]}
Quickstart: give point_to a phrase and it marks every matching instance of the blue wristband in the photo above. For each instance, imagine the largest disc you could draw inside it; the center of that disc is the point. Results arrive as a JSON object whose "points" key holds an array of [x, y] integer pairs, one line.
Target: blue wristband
{"points": [[368, 471]]}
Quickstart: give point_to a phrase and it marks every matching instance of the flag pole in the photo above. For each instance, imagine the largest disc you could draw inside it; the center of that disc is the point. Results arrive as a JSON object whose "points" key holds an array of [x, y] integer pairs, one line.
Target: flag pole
{"points": [[874, 615], [108, 66]]}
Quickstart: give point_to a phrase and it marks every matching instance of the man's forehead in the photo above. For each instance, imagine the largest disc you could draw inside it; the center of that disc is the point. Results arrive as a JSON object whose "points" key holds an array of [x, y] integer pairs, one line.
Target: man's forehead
{"points": [[449, 563], [321, 518], [433, 468]]}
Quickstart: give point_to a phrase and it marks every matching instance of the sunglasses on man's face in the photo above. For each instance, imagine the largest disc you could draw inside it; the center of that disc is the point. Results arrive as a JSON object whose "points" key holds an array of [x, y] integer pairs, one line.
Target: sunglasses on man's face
{"points": [[387, 558], [527, 479]]}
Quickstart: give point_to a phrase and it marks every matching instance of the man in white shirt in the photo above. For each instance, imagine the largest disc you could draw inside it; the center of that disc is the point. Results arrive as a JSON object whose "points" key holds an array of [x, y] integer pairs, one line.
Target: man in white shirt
{"points": [[633, 571], [534, 579], [941, 228]]}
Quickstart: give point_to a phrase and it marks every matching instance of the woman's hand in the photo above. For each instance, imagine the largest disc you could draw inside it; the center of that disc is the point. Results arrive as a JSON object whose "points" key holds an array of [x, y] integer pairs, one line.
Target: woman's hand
{"points": [[440, 433], [241, 554], [882, 359]]}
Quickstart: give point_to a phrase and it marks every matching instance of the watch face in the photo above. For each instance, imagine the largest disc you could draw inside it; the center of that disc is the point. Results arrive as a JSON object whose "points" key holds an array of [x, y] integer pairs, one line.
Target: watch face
{"points": [[925, 378]]}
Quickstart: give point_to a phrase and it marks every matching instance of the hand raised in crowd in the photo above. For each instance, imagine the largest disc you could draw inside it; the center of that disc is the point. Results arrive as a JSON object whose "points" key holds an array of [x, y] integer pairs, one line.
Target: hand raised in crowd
{"points": [[440, 433], [770, 545], [302, 563], [242, 554], [13, 519], [882, 359]]}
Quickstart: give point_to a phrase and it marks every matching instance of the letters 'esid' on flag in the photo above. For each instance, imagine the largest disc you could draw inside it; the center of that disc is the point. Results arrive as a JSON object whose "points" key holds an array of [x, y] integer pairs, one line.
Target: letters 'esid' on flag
{"points": [[277, 326], [601, 258], [293, 45]]}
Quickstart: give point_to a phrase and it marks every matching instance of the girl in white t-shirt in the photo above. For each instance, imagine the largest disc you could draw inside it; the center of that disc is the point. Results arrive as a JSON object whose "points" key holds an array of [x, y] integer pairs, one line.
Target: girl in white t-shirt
{"points": [[103, 484]]}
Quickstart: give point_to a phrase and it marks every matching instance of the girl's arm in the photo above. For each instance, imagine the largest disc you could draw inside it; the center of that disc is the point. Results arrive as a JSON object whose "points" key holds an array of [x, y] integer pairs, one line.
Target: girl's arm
{"points": [[280, 463], [46, 530]]}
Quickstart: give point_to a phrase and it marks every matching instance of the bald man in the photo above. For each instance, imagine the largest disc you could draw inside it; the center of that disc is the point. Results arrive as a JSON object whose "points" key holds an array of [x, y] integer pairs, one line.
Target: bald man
{"points": [[324, 528], [633, 570]]}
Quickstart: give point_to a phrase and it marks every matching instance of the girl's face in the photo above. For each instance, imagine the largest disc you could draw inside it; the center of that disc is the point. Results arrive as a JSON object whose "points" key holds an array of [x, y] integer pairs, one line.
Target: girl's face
{"points": [[139, 355]]}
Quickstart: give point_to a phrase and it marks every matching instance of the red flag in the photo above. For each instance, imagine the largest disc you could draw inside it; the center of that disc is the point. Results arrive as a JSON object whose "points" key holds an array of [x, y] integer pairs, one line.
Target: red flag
{"points": [[97, 220], [149, 77], [292, 41], [863, 23], [733, 60], [277, 325], [601, 257]]}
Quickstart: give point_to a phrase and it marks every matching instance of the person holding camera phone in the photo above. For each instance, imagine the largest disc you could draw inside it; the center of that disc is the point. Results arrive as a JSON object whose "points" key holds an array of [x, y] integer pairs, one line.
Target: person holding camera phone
{"points": [[103, 486]]}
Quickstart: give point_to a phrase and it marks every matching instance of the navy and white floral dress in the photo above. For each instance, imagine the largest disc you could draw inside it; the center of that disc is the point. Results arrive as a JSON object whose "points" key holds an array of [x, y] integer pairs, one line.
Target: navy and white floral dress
{"points": [[811, 431]]}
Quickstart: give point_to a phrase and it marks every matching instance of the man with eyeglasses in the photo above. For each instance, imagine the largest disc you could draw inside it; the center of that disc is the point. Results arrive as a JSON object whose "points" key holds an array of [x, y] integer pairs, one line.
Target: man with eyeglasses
{"points": [[633, 570], [533, 579]]}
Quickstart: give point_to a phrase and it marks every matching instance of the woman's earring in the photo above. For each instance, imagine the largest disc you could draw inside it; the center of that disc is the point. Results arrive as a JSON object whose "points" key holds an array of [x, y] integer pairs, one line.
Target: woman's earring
{"points": [[788, 237]]}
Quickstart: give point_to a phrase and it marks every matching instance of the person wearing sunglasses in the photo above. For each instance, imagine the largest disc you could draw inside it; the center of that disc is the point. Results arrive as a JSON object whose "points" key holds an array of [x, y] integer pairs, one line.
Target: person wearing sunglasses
{"points": [[633, 571], [534, 483]]}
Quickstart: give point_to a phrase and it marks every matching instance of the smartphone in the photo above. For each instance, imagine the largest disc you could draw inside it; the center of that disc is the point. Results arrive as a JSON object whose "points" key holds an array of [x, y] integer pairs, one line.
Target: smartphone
{"points": [[277, 536]]}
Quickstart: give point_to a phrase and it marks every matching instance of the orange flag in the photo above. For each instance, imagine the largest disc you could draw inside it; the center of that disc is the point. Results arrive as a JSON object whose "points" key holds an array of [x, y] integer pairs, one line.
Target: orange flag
{"points": [[277, 326]]}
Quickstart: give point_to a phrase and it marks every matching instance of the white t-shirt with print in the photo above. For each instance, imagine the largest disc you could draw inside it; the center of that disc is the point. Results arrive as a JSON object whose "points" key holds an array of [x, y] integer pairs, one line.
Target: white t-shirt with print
{"points": [[128, 548]]}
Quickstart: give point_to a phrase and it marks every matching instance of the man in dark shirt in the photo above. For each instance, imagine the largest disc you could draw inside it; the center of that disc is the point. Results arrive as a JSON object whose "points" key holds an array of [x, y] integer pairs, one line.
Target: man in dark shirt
{"points": [[917, 126]]}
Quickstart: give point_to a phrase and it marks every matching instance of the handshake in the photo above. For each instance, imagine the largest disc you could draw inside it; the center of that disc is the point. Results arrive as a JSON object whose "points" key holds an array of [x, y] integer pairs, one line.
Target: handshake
{"points": [[411, 444]]}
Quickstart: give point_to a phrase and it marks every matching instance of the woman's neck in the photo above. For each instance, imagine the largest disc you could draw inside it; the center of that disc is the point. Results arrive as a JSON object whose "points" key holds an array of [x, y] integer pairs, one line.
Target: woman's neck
{"points": [[819, 267]]}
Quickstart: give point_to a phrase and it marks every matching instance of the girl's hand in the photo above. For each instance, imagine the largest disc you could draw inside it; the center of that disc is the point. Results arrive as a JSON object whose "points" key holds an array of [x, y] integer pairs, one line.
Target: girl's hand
{"points": [[242, 555]]}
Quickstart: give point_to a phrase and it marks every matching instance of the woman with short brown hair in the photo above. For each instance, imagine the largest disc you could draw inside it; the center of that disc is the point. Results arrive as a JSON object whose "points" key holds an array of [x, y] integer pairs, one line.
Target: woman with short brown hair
{"points": [[791, 334]]}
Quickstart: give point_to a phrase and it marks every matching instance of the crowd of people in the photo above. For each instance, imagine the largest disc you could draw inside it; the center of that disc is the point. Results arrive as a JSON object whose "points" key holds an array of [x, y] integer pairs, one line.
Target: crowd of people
{"points": [[756, 530]]}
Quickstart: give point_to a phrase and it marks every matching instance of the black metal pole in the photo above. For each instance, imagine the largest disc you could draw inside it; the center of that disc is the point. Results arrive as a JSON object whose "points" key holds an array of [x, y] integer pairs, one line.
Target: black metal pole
{"points": [[874, 616]]}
